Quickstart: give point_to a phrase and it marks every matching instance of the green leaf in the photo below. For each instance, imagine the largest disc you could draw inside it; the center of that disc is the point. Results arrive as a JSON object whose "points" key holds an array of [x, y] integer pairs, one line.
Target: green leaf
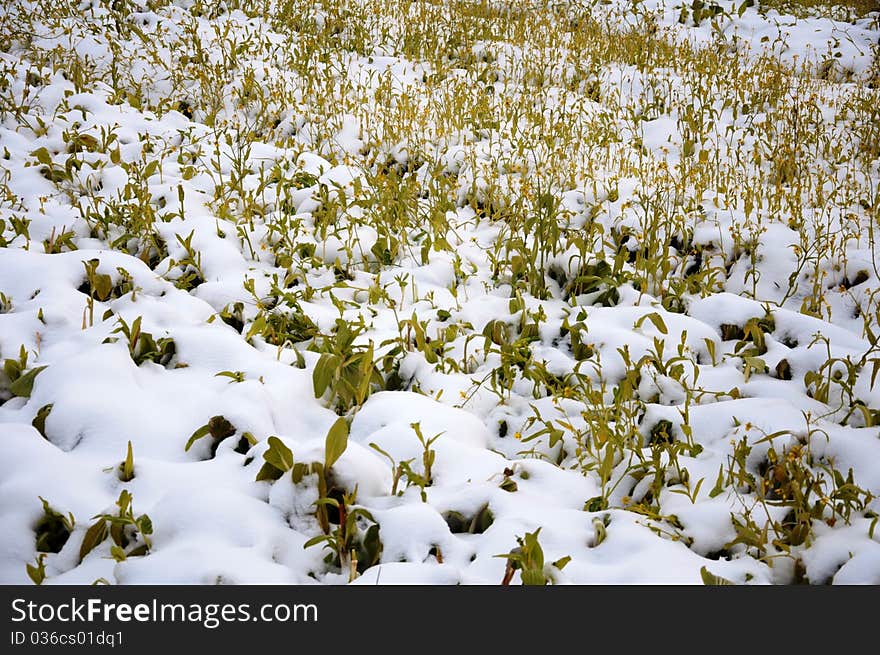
{"points": [[533, 577], [39, 421], [135, 333], [561, 562], [607, 464], [719, 483], [756, 363], [203, 431], [96, 534], [102, 286], [117, 530], [324, 372], [127, 472], [269, 472], [24, 385], [42, 156], [656, 319], [314, 541], [298, 472], [372, 547], [37, 573], [151, 168], [336, 442], [710, 579], [145, 525], [509, 485], [599, 527], [13, 368], [279, 455], [141, 550], [533, 550], [258, 326]]}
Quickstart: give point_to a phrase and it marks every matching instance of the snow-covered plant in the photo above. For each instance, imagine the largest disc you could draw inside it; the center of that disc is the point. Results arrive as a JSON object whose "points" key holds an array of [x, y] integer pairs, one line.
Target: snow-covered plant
{"points": [[53, 529], [345, 371], [354, 543], [130, 534], [19, 379], [528, 559], [142, 346]]}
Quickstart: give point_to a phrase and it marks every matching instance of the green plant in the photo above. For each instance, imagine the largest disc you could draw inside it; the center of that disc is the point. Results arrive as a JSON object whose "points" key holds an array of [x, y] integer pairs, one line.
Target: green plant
{"points": [[19, 378], [354, 544], [346, 370], [125, 470], [130, 534], [425, 478], [142, 346], [219, 428], [39, 421], [398, 469], [710, 579], [278, 459], [53, 529], [478, 523], [528, 559], [37, 571]]}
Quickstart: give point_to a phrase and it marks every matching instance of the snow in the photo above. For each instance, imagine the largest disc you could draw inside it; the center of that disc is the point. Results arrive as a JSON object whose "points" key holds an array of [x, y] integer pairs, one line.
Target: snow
{"points": [[214, 523]]}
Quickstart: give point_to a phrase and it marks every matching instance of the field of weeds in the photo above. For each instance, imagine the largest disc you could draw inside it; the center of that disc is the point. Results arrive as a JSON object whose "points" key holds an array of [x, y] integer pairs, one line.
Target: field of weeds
{"points": [[439, 291]]}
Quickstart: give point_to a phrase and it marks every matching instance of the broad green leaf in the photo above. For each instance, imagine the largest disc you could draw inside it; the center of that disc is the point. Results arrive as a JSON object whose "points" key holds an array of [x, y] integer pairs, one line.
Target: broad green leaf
{"points": [[37, 573], [533, 577], [279, 455], [141, 550], [324, 372], [13, 368], [298, 472], [259, 325], [561, 562], [372, 546], [124, 501], [42, 156], [269, 472], [117, 530], [39, 421], [102, 285], [607, 465], [24, 385], [135, 335], [533, 549], [145, 525], [656, 319], [336, 442], [96, 534], [711, 579]]}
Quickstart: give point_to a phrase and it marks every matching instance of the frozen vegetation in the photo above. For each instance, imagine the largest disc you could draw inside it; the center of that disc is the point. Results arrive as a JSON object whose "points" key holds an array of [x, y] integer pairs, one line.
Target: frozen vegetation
{"points": [[439, 291]]}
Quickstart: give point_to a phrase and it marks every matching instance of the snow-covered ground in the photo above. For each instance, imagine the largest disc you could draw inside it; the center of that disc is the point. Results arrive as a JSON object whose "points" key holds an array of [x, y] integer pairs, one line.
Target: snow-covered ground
{"points": [[604, 270]]}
